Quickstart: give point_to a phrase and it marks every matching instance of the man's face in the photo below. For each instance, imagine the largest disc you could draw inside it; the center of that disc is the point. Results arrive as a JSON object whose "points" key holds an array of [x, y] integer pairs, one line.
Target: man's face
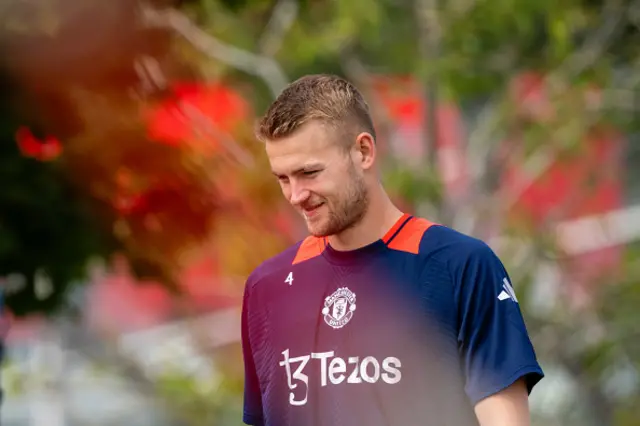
{"points": [[319, 178]]}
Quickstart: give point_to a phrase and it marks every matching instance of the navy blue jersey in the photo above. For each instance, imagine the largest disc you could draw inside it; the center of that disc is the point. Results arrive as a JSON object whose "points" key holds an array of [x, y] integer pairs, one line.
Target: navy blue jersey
{"points": [[413, 329]]}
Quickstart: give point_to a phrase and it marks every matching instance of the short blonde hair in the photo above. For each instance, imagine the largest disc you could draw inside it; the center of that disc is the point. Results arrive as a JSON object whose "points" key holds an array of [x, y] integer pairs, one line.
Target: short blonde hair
{"points": [[329, 99]]}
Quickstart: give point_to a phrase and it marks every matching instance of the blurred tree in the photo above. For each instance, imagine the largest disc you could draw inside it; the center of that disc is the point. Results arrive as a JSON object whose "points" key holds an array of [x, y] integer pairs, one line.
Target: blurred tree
{"points": [[46, 231], [106, 154]]}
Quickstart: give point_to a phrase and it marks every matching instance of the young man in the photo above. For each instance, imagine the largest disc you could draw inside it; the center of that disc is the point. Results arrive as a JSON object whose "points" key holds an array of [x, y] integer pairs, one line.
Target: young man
{"points": [[378, 317]]}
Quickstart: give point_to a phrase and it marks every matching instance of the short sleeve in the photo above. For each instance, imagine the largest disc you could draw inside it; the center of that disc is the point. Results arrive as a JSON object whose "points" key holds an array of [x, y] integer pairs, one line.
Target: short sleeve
{"points": [[493, 340], [252, 412]]}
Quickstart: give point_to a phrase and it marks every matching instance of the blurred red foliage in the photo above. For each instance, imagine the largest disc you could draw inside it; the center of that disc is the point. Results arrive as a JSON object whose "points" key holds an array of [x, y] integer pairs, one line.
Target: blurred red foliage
{"points": [[194, 110], [403, 100], [43, 150], [587, 182]]}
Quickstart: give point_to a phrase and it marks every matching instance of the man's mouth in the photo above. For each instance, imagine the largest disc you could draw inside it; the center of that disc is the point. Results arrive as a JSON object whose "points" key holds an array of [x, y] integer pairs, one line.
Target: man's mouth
{"points": [[310, 211]]}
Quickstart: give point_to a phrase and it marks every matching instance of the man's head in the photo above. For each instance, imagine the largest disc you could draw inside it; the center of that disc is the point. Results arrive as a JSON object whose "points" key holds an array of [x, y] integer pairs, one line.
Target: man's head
{"points": [[320, 141]]}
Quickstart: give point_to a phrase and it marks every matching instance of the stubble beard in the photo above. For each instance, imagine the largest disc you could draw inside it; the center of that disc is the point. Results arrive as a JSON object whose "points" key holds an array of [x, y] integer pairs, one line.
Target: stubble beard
{"points": [[346, 211]]}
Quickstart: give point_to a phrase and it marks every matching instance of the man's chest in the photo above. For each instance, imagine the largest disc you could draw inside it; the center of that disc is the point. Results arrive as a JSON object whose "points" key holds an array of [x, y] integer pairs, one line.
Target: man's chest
{"points": [[367, 310], [327, 304], [338, 328]]}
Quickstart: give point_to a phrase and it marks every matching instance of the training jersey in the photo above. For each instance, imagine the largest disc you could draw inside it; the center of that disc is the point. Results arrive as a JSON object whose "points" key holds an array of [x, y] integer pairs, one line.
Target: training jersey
{"points": [[413, 329]]}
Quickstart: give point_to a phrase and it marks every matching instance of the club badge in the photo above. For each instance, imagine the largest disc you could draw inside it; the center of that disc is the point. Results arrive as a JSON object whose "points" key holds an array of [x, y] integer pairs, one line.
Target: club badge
{"points": [[339, 307]]}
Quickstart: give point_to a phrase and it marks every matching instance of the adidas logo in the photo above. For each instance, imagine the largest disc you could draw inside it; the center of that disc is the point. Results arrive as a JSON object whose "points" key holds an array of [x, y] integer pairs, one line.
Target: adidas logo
{"points": [[507, 292]]}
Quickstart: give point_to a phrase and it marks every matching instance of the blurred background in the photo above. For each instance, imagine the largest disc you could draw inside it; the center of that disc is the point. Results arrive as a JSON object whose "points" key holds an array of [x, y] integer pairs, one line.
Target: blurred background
{"points": [[134, 199]]}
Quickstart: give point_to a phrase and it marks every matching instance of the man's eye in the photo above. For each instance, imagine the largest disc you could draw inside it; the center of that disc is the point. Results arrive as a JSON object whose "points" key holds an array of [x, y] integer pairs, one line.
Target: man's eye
{"points": [[310, 172]]}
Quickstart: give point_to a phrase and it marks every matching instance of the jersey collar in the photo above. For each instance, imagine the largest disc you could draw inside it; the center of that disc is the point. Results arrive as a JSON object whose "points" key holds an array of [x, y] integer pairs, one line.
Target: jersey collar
{"points": [[365, 252]]}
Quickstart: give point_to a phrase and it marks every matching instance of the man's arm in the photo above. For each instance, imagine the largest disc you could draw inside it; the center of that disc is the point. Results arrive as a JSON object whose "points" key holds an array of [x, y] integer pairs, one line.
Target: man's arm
{"points": [[509, 407], [499, 361]]}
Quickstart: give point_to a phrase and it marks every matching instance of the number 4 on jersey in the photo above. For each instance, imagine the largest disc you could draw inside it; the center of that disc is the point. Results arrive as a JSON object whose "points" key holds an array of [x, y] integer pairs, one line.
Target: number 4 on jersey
{"points": [[289, 279]]}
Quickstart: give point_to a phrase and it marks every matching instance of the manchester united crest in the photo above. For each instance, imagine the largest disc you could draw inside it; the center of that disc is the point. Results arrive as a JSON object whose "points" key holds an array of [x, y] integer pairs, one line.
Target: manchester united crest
{"points": [[339, 307]]}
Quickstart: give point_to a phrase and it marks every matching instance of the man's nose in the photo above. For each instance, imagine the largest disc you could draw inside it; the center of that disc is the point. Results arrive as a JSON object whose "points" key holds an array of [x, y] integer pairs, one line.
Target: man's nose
{"points": [[299, 194]]}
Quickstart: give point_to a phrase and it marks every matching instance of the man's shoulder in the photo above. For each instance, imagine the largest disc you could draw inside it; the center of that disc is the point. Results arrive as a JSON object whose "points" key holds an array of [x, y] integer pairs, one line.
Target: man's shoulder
{"points": [[461, 255], [279, 262], [452, 246]]}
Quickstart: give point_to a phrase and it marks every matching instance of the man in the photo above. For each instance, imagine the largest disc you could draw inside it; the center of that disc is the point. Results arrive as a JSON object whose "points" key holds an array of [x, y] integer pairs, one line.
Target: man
{"points": [[378, 317]]}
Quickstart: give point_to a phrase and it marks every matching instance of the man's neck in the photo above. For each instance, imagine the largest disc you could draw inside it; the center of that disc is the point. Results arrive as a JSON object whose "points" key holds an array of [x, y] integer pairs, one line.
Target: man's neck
{"points": [[381, 215]]}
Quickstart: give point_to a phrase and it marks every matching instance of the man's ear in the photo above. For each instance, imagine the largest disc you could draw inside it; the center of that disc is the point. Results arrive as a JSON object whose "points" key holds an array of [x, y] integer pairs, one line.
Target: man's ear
{"points": [[365, 148]]}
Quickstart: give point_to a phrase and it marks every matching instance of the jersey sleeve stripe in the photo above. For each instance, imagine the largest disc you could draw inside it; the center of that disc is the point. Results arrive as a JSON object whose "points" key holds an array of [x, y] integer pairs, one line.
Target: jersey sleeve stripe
{"points": [[310, 248], [410, 236]]}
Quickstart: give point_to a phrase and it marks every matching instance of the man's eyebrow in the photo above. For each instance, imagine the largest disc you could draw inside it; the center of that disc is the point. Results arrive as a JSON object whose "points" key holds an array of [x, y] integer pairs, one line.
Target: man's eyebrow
{"points": [[306, 167]]}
